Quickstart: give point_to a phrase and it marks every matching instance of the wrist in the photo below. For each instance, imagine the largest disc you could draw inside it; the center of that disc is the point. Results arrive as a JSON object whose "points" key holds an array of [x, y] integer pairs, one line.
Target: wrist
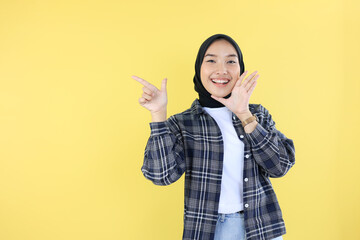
{"points": [[158, 116], [249, 128], [244, 115]]}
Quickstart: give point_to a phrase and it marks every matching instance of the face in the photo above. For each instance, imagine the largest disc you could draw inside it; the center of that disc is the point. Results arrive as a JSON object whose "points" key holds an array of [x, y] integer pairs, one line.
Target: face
{"points": [[220, 68]]}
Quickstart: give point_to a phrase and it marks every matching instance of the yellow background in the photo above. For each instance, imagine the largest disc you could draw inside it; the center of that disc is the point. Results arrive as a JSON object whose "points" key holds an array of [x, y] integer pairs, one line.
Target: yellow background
{"points": [[72, 133]]}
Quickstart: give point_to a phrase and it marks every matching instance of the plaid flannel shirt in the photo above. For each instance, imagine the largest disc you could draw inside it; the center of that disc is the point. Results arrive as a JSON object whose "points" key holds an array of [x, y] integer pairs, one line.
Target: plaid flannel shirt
{"points": [[191, 142]]}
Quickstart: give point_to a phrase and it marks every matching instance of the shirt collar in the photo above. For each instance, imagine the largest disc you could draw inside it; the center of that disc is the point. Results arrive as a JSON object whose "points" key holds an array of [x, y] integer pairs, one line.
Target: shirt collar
{"points": [[196, 107]]}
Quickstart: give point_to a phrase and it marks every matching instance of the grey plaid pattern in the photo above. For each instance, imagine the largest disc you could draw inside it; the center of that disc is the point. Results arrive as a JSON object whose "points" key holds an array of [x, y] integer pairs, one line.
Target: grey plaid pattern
{"points": [[191, 142]]}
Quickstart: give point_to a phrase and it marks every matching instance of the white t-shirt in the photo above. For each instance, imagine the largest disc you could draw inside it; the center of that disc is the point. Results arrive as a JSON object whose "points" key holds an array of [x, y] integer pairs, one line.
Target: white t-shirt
{"points": [[231, 195]]}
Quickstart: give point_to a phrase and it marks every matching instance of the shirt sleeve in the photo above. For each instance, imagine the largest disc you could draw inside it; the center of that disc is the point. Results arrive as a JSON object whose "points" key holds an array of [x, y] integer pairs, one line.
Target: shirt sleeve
{"points": [[164, 158], [271, 149]]}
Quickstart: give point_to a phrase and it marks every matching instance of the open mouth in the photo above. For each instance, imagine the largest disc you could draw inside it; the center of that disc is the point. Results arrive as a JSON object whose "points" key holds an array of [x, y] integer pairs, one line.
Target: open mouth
{"points": [[220, 82]]}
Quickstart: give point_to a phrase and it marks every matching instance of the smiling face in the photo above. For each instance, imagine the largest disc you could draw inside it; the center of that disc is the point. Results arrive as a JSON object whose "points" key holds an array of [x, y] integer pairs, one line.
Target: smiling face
{"points": [[220, 68]]}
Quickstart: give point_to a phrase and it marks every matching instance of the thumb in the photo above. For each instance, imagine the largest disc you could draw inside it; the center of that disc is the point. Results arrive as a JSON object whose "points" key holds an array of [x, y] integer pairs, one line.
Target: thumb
{"points": [[221, 100], [163, 84]]}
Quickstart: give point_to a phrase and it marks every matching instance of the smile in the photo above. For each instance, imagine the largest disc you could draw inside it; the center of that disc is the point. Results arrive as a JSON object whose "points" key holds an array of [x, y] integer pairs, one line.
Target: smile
{"points": [[221, 81]]}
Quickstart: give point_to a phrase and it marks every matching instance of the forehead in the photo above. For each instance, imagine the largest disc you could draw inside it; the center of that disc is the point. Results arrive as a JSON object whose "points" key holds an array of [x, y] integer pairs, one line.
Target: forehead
{"points": [[221, 47]]}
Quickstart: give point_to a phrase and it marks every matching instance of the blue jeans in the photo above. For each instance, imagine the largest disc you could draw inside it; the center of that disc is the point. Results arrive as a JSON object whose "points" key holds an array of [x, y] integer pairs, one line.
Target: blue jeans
{"points": [[231, 226]]}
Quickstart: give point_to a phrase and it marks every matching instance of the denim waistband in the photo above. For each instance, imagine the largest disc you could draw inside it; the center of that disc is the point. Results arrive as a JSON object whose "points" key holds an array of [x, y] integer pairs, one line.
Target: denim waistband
{"points": [[241, 212], [222, 216]]}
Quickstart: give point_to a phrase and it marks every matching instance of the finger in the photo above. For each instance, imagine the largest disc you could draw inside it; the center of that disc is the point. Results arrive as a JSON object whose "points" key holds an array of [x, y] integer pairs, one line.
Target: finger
{"points": [[163, 85], [238, 83], [147, 96], [142, 101], [252, 88], [247, 80], [221, 100], [148, 91], [244, 74], [248, 86], [249, 77], [145, 83]]}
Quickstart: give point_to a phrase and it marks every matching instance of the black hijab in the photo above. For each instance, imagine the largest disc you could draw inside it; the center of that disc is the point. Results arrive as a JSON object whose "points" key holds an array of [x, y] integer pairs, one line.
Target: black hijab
{"points": [[205, 98]]}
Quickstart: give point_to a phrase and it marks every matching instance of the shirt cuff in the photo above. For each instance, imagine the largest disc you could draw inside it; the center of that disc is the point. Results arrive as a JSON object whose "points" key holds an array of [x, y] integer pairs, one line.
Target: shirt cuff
{"points": [[258, 135], [158, 128]]}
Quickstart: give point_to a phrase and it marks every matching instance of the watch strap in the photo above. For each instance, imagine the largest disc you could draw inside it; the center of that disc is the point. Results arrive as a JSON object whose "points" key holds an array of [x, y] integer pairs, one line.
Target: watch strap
{"points": [[249, 120]]}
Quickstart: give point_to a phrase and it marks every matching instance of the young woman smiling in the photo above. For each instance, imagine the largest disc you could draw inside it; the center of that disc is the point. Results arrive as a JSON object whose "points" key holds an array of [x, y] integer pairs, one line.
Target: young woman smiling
{"points": [[227, 147]]}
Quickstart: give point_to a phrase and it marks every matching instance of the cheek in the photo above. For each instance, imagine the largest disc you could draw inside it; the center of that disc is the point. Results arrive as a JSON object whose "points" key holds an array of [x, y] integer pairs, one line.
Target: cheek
{"points": [[204, 75], [205, 72]]}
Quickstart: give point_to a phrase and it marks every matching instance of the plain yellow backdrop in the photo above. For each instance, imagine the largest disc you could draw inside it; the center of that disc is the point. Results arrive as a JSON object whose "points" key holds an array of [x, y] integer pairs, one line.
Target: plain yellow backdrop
{"points": [[72, 133]]}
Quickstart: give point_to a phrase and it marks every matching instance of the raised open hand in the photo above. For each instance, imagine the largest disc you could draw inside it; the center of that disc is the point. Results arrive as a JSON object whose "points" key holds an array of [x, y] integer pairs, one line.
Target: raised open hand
{"points": [[153, 99], [238, 102]]}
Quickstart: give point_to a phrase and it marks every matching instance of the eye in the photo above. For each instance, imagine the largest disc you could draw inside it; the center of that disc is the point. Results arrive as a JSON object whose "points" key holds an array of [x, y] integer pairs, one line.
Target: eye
{"points": [[231, 61]]}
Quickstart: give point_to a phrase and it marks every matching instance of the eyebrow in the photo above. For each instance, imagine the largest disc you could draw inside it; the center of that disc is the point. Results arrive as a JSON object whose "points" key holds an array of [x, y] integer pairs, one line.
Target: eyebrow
{"points": [[213, 55]]}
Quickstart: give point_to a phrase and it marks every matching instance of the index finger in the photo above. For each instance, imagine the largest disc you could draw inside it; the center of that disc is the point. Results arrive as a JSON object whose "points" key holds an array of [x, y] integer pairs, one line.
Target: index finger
{"points": [[145, 83], [240, 78]]}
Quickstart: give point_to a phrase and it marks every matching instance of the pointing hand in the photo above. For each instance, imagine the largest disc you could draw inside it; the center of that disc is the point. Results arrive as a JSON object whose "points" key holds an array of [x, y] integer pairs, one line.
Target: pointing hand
{"points": [[153, 99]]}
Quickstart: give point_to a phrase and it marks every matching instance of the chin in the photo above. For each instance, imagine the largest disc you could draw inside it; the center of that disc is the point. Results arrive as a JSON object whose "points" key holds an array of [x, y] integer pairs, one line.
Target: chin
{"points": [[220, 95]]}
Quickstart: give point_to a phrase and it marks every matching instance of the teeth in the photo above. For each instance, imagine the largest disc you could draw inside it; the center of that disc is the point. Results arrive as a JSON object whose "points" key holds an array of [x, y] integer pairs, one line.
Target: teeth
{"points": [[220, 81]]}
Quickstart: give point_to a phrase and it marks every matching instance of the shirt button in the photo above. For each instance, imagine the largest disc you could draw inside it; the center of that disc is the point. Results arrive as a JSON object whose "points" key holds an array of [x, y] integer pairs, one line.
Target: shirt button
{"points": [[246, 205], [246, 179], [247, 155], [241, 136]]}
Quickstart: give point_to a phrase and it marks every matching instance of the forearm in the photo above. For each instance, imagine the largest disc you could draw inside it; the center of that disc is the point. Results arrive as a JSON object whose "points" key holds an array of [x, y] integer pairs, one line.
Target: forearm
{"points": [[164, 157], [274, 152]]}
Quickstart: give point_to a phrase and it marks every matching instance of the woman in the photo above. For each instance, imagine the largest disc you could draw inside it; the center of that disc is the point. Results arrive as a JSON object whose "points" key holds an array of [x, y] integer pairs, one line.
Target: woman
{"points": [[226, 147]]}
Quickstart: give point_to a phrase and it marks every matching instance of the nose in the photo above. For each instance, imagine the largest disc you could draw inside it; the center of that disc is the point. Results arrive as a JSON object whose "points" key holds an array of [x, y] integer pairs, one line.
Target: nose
{"points": [[221, 69]]}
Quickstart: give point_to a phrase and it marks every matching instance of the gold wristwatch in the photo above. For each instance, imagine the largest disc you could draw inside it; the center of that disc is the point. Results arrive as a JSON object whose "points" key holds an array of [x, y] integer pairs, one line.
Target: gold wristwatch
{"points": [[249, 120]]}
